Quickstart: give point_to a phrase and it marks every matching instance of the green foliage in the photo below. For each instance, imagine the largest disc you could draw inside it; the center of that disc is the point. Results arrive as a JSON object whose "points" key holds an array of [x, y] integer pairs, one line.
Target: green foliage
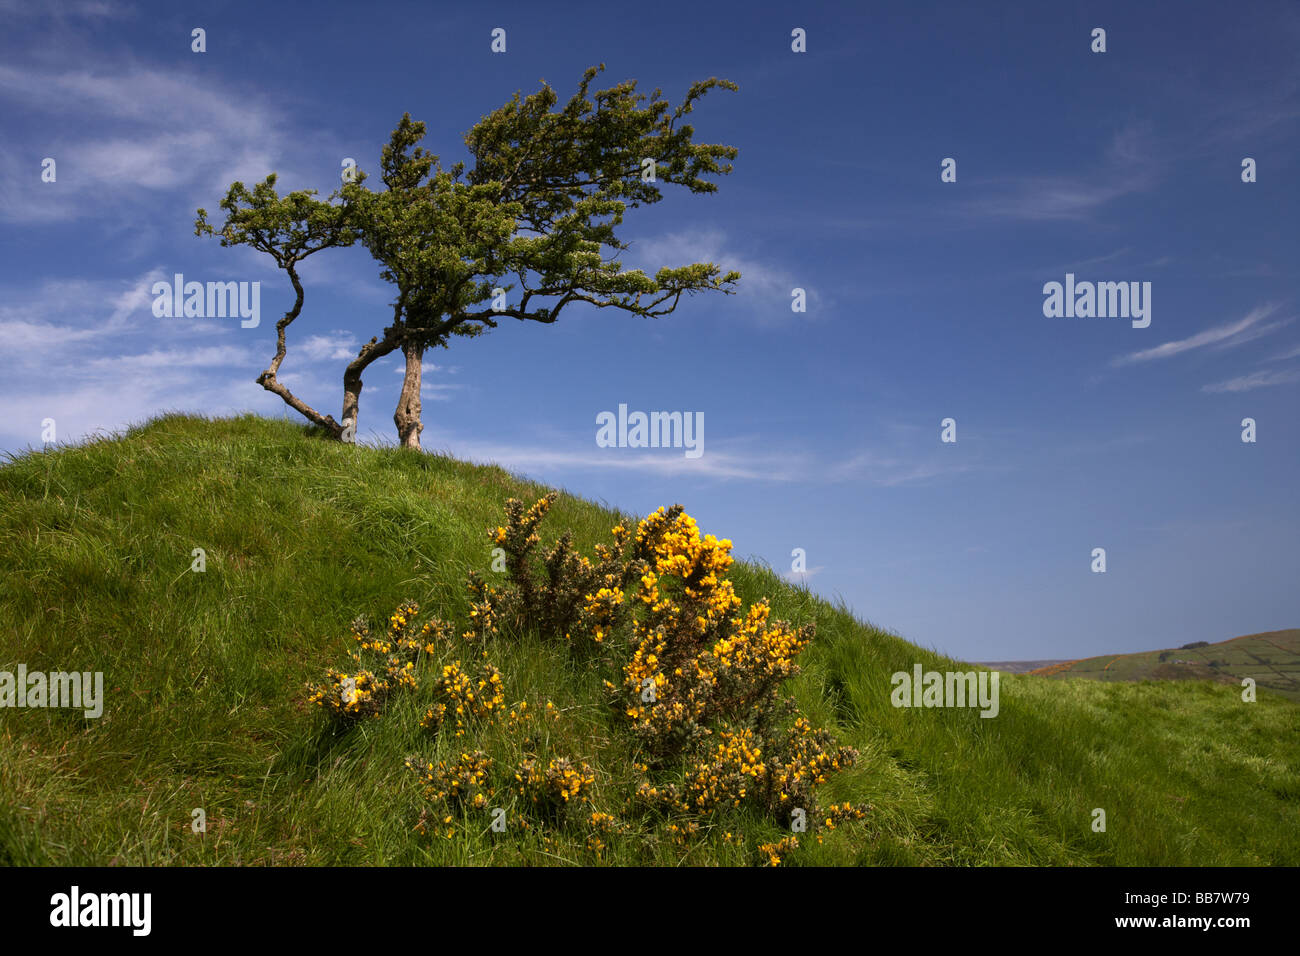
{"points": [[203, 677], [531, 216], [692, 672], [288, 228], [534, 210]]}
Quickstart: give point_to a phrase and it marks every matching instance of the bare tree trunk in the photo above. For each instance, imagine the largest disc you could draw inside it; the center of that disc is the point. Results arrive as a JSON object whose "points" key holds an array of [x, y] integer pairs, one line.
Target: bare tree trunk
{"points": [[268, 378], [407, 415], [352, 384]]}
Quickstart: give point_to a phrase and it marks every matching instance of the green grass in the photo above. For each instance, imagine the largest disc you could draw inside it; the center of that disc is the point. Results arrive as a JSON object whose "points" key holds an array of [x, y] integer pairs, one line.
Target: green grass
{"points": [[1271, 659], [205, 678]]}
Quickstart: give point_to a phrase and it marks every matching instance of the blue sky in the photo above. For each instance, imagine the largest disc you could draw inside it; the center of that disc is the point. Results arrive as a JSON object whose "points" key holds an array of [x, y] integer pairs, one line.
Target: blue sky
{"points": [[822, 428]]}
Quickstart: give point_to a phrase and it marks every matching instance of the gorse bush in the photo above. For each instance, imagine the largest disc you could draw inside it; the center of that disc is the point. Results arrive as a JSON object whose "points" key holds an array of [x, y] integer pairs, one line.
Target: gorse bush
{"points": [[462, 699], [362, 694], [693, 683], [692, 667], [556, 787]]}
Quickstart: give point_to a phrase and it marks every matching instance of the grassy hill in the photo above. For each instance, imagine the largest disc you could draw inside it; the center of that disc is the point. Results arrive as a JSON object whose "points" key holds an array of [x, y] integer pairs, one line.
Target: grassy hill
{"points": [[1271, 659], [205, 676]]}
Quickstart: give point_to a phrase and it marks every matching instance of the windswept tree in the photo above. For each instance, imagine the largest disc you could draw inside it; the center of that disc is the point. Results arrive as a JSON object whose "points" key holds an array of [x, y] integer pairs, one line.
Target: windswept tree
{"points": [[289, 229], [524, 229], [433, 234]]}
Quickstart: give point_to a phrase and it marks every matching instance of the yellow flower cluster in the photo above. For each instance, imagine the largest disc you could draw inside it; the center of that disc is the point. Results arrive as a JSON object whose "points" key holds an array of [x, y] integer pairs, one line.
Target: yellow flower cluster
{"points": [[776, 852], [350, 696], [678, 548], [752, 661], [520, 532], [519, 714], [361, 633], [600, 611], [363, 694], [397, 640], [461, 698], [602, 825], [401, 618], [561, 784], [838, 813], [402, 675], [702, 663], [434, 635], [482, 610], [662, 797], [665, 712], [760, 652], [460, 784], [397, 651], [733, 772], [803, 763], [683, 833], [603, 822], [575, 599]]}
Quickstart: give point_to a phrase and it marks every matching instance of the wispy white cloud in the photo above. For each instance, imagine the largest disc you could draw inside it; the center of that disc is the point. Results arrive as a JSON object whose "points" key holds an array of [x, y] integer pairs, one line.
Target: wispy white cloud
{"points": [[36, 322], [1262, 379], [732, 460], [116, 131], [1082, 264], [106, 307], [119, 363], [439, 392], [665, 462], [1047, 198], [89, 9], [430, 389], [82, 407], [764, 284], [209, 356], [890, 470], [1220, 336], [1124, 168], [1283, 356], [428, 368], [338, 344]]}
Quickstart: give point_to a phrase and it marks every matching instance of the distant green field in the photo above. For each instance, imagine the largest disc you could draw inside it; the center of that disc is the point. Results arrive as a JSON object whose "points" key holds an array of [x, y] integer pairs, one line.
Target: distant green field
{"points": [[1272, 659]]}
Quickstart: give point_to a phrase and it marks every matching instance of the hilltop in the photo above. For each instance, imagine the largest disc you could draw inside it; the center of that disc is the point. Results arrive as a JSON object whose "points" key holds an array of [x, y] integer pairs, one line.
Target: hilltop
{"points": [[205, 676], [1271, 659]]}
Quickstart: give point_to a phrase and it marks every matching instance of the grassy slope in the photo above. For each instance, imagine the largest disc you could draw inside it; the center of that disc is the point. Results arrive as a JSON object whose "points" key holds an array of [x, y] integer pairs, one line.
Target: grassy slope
{"points": [[1272, 659], [204, 677]]}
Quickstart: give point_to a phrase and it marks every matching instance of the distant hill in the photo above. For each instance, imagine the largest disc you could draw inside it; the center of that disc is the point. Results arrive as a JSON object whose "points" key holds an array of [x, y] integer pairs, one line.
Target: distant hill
{"points": [[1271, 658], [1018, 667]]}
